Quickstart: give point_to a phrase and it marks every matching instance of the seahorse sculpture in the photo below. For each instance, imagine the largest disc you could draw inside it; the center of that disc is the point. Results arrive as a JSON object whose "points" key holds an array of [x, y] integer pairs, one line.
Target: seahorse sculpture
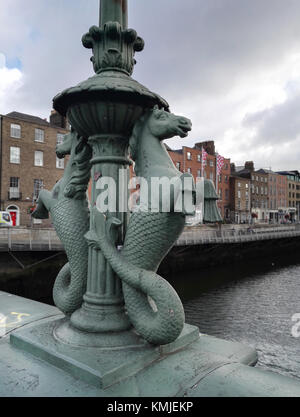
{"points": [[67, 204], [150, 233]]}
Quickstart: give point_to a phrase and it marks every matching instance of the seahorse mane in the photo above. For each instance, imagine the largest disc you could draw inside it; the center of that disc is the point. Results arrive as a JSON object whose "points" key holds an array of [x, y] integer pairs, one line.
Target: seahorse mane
{"points": [[78, 183]]}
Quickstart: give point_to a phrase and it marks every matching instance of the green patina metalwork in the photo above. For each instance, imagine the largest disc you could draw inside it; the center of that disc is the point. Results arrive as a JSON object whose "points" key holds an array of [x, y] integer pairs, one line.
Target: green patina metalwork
{"points": [[68, 207], [117, 114], [106, 109], [211, 210], [97, 346], [150, 235]]}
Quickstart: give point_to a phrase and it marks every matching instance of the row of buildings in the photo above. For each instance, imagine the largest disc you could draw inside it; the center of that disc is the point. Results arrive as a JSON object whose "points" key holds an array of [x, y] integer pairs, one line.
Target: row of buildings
{"points": [[28, 163], [246, 194]]}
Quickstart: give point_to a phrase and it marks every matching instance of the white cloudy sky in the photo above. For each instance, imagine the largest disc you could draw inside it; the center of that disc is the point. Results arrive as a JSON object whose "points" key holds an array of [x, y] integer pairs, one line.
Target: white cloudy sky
{"points": [[232, 66]]}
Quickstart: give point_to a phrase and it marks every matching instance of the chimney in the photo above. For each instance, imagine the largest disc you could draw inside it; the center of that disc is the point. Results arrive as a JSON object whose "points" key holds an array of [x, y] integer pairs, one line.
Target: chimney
{"points": [[58, 120], [249, 165], [208, 146], [232, 168]]}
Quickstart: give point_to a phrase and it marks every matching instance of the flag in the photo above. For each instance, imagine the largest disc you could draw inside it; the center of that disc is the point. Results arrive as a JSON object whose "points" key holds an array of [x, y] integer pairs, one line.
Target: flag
{"points": [[220, 163], [204, 156]]}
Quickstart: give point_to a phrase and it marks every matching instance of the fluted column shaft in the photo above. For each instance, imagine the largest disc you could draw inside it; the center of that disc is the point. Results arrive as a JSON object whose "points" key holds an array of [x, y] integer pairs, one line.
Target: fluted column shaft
{"points": [[103, 306]]}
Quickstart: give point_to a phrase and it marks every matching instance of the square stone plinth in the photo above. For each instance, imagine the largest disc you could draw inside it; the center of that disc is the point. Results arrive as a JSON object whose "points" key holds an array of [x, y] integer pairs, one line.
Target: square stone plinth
{"points": [[101, 366]]}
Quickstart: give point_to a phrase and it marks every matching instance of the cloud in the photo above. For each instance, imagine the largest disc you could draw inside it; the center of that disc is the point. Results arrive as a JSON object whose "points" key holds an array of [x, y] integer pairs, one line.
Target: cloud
{"points": [[278, 124], [232, 66], [10, 83]]}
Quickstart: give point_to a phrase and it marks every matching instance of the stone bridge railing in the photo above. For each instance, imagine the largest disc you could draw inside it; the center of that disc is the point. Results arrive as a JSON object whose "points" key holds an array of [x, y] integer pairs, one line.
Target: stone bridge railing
{"points": [[26, 239], [198, 236]]}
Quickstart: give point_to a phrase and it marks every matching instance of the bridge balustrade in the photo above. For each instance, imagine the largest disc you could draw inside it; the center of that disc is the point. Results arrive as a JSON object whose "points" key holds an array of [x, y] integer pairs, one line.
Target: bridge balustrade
{"points": [[26, 239]]}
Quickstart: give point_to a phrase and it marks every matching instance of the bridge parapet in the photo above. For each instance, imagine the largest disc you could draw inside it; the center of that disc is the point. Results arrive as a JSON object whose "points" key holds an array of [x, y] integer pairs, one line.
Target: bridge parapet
{"points": [[198, 236], [43, 240], [26, 239]]}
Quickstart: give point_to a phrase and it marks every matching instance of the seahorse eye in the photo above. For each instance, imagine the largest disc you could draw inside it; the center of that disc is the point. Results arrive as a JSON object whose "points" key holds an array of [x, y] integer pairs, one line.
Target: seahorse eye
{"points": [[162, 116]]}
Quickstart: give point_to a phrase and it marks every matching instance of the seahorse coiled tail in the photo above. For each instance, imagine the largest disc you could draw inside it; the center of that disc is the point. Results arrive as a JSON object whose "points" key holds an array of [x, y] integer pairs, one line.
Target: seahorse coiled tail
{"points": [[71, 224], [149, 238]]}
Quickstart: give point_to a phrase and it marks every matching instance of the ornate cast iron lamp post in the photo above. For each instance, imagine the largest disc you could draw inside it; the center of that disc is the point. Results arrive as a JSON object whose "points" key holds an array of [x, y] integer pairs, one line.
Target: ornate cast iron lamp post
{"points": [[123, 351], [114, 299], [105, 108]]}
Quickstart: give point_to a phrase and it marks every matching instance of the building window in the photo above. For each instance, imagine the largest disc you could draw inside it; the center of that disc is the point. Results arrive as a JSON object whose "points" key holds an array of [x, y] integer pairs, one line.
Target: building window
{"points": [[226, 194], [14, 155], [15, 131], [60, 163], [199, 173], [239, 194], [189, 156], [199, 158], [189, 170], [239, 184], [14, 187], [37, 187], [39, 135], [59, 138], [211, 163], [178, 165], [211, 175], [14, 182], [38, 158]]}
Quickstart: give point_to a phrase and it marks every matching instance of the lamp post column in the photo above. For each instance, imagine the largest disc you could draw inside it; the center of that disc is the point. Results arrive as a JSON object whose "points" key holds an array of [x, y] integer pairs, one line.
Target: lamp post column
{"points": [[103, 307]]}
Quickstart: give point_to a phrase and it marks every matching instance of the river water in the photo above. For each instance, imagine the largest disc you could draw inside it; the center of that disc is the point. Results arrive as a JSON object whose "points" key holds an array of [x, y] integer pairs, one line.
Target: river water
{"points": [[252, 303]]}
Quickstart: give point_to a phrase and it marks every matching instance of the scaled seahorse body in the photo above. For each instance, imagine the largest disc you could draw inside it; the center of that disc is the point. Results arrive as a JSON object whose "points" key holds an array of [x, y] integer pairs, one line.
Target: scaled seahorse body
{"points": [[71, 224], [70, 216], [150, 235]]}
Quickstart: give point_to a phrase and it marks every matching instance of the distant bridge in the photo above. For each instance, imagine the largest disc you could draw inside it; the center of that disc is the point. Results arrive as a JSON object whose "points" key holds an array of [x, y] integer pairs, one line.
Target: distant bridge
{"points": [[43, 240]]}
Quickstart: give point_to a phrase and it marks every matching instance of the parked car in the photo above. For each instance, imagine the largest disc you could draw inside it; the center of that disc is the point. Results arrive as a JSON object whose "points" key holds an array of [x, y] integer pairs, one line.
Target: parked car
{"points": [[5, 219]]}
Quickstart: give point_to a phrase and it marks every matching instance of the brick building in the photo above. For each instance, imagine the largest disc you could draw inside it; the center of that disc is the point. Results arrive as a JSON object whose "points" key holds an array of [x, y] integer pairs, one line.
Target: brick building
{"points": [[292, 193], [189, 160], [28, 161], [259, 190], [277, 192], [240, 198]]}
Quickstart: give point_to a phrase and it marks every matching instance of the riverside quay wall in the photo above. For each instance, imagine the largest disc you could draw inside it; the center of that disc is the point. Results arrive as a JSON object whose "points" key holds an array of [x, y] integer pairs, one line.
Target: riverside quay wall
{"points": [[208, 246]]}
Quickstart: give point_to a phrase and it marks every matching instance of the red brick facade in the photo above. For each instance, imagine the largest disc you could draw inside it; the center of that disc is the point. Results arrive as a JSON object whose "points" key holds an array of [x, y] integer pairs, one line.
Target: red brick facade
{"points": [[189, 160]]}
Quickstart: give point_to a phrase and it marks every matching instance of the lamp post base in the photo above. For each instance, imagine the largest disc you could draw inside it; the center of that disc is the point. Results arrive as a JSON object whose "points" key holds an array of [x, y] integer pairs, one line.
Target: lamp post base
{"points": [[101, 360], [192, 366]]}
